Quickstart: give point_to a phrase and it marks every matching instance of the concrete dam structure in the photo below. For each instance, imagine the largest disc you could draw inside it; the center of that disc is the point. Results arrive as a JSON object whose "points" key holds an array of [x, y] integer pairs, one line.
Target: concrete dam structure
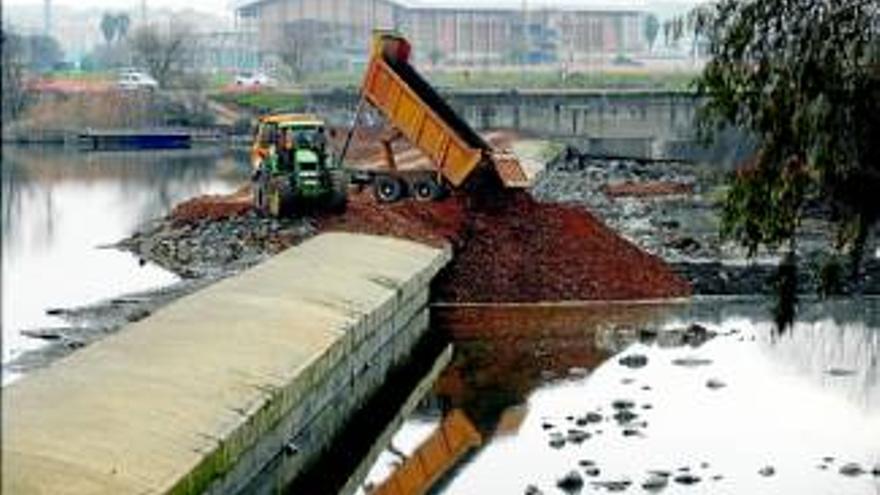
{"points": [[259, 369], [646, 124]]}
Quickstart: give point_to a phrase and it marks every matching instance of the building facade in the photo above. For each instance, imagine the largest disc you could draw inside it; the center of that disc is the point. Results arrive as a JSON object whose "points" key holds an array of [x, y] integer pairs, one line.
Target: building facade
{"points": [[444, 34]]}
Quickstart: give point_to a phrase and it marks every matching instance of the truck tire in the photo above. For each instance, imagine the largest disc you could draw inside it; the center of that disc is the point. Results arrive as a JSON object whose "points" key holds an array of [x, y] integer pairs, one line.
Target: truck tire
{"points": [[426, 189], [279, 198], [387, 189]]}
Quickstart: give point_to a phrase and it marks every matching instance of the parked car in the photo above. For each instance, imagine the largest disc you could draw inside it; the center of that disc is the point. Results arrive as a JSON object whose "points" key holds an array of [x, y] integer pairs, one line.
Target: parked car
{"points": [[253, 79], [133, 80]]}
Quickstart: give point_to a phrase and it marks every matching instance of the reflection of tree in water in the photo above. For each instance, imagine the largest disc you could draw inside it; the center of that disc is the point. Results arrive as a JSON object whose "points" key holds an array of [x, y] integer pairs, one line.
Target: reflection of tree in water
{"points": [[503, 354], [834, 337], [149, 183], [18, 189], [841, 357]]}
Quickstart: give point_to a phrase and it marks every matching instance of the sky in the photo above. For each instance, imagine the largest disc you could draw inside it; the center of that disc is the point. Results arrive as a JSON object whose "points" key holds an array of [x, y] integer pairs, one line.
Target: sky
{"points": [[218, 6]]}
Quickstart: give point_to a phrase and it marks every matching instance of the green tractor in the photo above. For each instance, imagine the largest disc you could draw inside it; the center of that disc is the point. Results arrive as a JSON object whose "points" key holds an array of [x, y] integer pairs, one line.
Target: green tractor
{"points": [[294, 168]]}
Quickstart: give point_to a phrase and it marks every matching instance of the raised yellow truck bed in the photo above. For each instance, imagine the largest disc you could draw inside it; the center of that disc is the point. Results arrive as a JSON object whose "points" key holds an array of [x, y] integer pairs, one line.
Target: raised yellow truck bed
{"points": [[423, 117]]}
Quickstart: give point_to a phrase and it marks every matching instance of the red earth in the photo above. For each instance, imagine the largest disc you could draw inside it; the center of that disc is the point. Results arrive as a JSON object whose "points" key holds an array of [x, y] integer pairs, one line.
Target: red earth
{"points": [[508, 247]]}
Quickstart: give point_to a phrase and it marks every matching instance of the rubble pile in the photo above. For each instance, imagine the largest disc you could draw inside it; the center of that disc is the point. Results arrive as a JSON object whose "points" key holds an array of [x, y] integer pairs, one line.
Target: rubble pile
{"points": [[515, 249]]}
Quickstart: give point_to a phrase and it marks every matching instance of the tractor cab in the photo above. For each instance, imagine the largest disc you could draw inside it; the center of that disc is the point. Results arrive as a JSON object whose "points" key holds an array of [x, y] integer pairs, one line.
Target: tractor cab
{"points": [[294, 166]]}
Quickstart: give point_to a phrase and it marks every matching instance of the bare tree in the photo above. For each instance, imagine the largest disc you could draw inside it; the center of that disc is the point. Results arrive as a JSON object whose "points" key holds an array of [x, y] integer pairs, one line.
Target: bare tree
{"points": [[162, 53], [300, 47], [13, 85]]}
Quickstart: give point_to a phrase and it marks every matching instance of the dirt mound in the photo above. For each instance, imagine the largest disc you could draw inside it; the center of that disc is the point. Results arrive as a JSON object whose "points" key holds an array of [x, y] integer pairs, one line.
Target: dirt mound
{"points": [[510, 248], [213, 207], [435, 223]]}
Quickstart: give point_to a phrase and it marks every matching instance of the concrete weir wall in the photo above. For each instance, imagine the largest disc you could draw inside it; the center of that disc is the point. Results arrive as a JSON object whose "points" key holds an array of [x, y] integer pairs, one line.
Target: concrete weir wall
{"points": [[260, 369]]}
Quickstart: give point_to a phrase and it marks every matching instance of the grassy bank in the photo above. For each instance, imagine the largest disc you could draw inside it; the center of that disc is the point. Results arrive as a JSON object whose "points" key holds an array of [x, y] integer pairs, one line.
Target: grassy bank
{"points": [[528, 79], [262, 101]]}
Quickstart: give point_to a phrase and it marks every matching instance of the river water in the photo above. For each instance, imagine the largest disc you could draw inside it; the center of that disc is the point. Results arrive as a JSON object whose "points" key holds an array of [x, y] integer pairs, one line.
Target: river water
{"points": [[59, 206], [747, 411]]}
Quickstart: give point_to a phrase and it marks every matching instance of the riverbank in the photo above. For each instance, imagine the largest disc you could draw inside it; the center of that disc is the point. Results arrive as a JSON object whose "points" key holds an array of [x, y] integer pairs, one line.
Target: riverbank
{"points": [[673, 210], [508, 248]]}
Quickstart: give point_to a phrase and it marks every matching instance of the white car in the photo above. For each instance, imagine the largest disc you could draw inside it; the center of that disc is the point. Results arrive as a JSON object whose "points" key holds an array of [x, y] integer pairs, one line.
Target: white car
{"points": [[253, 79], [136, 80]]}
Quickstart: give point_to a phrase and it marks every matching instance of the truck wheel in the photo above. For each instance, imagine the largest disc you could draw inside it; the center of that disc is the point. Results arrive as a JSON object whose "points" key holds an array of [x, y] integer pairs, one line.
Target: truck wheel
{"points": [[387, 189], [427, 189]]}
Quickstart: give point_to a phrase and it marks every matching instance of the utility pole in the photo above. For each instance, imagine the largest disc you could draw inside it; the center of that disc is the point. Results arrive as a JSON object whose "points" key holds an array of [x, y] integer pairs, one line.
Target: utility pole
{"points": [[144, 12], [47, 18], [524, 46]]}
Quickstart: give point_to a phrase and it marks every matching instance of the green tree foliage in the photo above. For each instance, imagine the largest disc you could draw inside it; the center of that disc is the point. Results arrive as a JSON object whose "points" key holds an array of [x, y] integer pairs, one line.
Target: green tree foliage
{"points": [[803, 76], [114, 26], [652, 28], [108, 27], [123, 22], [13, 91], [41, 53]]}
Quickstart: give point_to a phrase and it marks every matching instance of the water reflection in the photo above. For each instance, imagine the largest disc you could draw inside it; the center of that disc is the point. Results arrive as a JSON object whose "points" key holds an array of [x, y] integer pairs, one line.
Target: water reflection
{"points": [[546, 398], [59, 206]]}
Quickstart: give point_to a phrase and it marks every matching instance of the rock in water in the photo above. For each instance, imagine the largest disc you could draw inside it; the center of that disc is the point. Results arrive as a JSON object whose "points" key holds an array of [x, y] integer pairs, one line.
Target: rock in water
{"points": [[557, 442], [634, 361], [625, 416], [533, 490], [715, 384], [655, 483], [592, 471], [687, 479], [767, 471], [571, 482], [691, 362], [852, 469]]}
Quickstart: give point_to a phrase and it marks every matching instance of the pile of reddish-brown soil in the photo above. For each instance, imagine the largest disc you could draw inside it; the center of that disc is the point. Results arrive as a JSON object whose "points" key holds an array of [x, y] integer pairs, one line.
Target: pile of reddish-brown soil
{"points": [[647, 189], [510, 248], [213, 207], [435, 223]]}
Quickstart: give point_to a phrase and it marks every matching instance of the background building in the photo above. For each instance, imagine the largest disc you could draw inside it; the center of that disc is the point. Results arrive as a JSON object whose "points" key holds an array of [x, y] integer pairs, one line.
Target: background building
{"points": [[507, 34]]}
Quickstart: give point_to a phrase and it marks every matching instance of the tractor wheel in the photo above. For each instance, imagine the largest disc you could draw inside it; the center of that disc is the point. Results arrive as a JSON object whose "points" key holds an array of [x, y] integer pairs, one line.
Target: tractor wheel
{"points": [[427, 189], [387, 189], [259, 189], [339, 192], [279, 198]]}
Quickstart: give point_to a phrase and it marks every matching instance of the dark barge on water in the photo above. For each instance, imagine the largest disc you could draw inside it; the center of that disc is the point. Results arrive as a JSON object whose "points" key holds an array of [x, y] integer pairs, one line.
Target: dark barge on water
{"points": [[134, 139]]}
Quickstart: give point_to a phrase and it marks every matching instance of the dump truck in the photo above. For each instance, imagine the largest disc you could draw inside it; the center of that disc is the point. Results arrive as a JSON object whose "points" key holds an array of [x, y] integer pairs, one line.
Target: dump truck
{"points": [[294, 167], [412, 109], [417, 113]]}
